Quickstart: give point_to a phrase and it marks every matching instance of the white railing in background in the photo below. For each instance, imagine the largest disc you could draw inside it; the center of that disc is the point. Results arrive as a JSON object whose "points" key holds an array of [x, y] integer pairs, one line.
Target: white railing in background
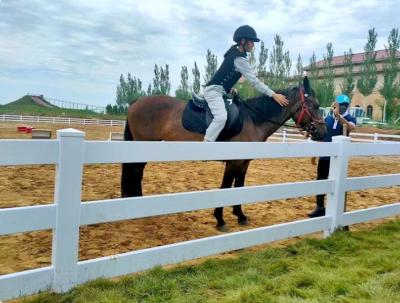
{"points": [[282, 135], [294, 135], [70, 152], [60, 120]]}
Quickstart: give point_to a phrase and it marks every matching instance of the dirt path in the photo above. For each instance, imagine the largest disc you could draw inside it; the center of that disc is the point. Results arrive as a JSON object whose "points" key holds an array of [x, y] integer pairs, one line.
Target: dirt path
{"points": [[33, 185]]}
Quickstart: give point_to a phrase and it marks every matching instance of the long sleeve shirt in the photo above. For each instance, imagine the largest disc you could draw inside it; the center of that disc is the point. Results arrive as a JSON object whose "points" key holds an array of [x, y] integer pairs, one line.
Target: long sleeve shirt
{"points": [[242, 65]]}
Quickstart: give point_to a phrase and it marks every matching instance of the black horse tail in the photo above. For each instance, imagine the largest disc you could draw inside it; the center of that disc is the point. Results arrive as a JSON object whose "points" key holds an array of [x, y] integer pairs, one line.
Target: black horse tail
{"points": [[132, 173], [127, 132]]}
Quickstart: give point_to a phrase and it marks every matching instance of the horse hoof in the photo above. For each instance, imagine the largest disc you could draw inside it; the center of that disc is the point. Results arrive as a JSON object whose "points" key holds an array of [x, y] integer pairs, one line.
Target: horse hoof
{"points": [[244, 222], [223, 228]]}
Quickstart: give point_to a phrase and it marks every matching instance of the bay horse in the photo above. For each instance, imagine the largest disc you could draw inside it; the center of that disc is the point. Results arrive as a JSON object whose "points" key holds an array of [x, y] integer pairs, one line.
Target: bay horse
{"points": [[156, 118]]}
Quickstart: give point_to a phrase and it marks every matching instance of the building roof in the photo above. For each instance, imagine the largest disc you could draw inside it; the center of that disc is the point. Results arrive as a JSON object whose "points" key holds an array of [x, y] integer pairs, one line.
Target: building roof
{"points": [[357, 59]]}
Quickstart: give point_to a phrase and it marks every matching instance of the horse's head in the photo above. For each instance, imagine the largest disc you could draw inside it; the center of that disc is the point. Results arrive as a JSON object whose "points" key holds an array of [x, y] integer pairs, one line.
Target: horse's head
{"points": [[306, 114]]}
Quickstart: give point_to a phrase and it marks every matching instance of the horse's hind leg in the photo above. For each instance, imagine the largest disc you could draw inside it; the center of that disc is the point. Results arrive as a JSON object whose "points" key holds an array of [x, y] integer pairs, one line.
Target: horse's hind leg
{"points": [[226, 183], [131, 179]]}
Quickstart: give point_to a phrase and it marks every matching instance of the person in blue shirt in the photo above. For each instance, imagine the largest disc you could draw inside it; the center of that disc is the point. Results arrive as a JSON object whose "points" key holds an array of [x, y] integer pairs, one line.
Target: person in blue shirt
{"points": [[335, 123]]}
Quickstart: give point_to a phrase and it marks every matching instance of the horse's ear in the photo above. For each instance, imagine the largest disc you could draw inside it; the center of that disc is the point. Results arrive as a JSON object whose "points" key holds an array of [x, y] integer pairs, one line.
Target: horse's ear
{"points": [[306, 85]]}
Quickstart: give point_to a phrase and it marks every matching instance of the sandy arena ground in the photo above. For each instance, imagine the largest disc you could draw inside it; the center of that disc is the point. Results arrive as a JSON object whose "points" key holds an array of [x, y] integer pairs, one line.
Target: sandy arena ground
{"points": [[34, 185]]}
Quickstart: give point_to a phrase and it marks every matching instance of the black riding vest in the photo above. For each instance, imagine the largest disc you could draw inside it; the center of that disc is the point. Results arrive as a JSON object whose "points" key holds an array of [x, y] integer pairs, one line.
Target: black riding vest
{"points": [[227, 75]]}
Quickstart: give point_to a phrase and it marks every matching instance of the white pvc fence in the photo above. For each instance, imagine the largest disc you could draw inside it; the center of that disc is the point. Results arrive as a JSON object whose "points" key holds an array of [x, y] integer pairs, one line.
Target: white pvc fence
{"points": [[70, 152], [60, 120]]}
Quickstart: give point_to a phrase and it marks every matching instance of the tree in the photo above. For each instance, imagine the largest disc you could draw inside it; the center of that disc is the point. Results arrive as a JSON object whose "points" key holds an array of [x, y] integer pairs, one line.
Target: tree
{"points": [[287, 65], [314, 71], [391, 88], [161, 83], [156, 81], [134, 89], [280, 65], [211, 67], [314, 76], [327, 86], [348, 84], [196, 78], [262, 60], [183, 92], [165, 84], [299, 69], [128, 90], [121, 90], [109, 109], [368, 76], [252, 59]]}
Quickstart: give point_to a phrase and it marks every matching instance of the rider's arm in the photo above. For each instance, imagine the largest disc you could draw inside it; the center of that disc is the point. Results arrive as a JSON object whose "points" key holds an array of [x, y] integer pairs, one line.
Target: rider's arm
{"points": [[242, 65]]}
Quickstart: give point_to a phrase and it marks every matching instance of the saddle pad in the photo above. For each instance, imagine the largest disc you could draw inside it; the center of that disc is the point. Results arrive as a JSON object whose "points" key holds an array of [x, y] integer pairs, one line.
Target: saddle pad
{"points": [[196, 119]]}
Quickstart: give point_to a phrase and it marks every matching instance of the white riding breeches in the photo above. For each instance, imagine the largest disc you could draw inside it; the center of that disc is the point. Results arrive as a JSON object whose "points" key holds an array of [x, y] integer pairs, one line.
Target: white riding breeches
{"points": [[213, 95]]}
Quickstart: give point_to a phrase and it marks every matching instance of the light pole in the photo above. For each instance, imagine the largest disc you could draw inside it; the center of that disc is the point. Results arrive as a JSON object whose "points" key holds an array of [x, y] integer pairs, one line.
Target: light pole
{"points": [[384, 112]]}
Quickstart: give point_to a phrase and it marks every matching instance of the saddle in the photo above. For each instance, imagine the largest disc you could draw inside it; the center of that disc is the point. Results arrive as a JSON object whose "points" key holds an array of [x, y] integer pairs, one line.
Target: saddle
{"points": [[197, 117]]}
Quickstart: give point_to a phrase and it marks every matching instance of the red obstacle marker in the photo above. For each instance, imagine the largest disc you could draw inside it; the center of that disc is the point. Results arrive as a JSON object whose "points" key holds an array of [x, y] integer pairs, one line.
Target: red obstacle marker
{"points": [[21, 128], [28, 129]]}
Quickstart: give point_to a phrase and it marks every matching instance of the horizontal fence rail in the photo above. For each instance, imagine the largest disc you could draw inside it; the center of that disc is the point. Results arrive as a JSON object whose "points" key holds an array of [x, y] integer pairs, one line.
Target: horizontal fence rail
{"points": [[60, 120], [70, 152], [140, 207], [282, 135], [168, 254]]}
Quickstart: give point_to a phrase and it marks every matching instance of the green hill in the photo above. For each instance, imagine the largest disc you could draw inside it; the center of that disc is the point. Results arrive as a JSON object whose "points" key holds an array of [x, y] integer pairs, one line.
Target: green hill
{"points": [[37, 106], [31, 100]]}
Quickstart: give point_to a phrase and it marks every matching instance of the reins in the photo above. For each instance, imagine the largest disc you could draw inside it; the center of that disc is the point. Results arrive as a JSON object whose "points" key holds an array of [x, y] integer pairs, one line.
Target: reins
{"points": [[261, 115]]}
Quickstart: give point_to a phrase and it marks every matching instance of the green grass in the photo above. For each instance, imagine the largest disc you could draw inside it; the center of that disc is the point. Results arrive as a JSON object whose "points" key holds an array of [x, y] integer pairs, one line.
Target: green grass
{"points": [[347, 267]]}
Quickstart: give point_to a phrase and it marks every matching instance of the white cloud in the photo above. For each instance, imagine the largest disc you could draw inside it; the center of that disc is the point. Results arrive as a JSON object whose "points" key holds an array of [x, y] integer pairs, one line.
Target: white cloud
{"points": [[76, 50]]}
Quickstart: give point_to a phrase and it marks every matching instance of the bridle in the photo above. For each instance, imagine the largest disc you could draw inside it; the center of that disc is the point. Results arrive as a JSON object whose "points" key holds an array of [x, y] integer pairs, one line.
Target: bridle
{"points": [[312, 128]]}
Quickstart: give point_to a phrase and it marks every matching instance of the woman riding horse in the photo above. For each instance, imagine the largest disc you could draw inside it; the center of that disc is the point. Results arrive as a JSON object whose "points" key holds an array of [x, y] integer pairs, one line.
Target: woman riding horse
{"points": [[235, 65]]}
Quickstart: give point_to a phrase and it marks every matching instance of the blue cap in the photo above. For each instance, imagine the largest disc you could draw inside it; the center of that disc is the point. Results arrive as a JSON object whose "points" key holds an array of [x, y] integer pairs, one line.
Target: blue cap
{"points": [[343, 99]]}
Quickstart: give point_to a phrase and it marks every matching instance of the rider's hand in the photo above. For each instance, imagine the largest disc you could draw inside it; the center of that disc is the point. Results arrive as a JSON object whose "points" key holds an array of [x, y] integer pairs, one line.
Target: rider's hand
{"points": [[280, 99]]}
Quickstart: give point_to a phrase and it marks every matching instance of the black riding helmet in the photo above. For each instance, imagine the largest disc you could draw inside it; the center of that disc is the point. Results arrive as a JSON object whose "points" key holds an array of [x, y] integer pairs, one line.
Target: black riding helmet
{"points": [[246, 32]]}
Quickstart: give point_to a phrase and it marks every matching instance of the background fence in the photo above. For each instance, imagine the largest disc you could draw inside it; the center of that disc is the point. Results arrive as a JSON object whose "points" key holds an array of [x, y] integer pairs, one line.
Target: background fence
{"points": [[70, 152], [294, 135], [283, 135], [60, 120]]}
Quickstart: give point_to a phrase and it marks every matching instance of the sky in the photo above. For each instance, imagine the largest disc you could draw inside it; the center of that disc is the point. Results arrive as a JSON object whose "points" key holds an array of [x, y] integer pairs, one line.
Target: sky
{"points": [[76, 50]]}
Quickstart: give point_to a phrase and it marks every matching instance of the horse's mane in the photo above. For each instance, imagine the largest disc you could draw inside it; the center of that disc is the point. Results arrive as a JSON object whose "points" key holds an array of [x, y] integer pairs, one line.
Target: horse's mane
{"points": [[258, 109]]}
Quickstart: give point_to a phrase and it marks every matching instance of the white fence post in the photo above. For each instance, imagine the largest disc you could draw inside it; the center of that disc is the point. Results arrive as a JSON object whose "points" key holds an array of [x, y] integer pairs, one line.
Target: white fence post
{"points": [[338, 172], [375, 137], [68, 201]]}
